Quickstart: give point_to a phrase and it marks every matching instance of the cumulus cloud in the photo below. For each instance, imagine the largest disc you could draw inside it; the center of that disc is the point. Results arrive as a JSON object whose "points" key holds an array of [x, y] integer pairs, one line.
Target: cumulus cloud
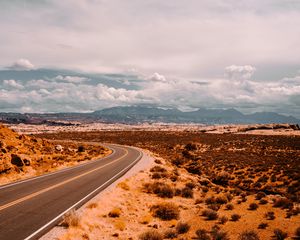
{"points": [[240, 72], [72, 79], [156, 77], [12, 84], [57, 95], [22, 64]]}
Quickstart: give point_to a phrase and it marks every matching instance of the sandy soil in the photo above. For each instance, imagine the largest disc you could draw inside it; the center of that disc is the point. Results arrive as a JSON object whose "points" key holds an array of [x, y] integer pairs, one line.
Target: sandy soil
{"points": [[23, 156], [129, 198], [265, 129]]}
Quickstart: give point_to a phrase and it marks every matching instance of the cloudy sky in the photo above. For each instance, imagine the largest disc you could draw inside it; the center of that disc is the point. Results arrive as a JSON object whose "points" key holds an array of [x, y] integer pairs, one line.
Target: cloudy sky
{"points": [[85, 55]]}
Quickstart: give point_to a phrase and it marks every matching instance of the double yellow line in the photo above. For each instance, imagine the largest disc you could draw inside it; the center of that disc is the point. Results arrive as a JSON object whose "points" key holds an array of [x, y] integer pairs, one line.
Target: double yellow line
{"points": [[58, 184]]}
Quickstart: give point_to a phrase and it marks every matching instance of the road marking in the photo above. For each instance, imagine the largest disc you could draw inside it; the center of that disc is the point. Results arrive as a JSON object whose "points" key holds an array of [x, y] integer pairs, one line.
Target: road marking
{"points": [[58, 184], [58, 171], [85, 198]]}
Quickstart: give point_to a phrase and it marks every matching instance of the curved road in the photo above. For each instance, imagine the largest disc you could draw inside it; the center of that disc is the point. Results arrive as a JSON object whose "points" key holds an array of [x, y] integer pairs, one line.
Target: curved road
{"points": [[30, 207]]}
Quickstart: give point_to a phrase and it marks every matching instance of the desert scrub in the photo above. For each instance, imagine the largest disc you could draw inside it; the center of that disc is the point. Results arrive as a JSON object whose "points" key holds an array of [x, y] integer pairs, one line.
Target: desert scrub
{"points": [[114, 213], [165, 211], [262, 225], [71, 219], [248, 235], [161, 189], [170, 234], [92, 205], [279, 234], [187, 192], [270, 215], [124, 186], [283, 203], [223, 219], [202, 234], [218, 234], [253, 206], [235, 217], [182, 227], [229, 206], [297, 233], [151, 235], [210, 214]]}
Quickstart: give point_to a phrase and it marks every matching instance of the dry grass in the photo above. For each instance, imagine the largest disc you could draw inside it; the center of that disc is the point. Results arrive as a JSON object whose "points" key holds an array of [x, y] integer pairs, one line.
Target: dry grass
{"points": [[71, 219]]}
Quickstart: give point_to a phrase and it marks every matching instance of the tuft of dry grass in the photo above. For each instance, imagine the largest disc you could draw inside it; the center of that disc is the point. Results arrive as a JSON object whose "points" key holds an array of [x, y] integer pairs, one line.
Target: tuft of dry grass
{"points": [[114, 213], [120, 225], [151, 235], [165, 211], [124, 186], [71, 219]]}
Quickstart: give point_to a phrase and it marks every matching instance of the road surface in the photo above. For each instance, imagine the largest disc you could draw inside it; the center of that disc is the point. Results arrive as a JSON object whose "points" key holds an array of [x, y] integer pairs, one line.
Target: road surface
{"points": [[29, 208]]}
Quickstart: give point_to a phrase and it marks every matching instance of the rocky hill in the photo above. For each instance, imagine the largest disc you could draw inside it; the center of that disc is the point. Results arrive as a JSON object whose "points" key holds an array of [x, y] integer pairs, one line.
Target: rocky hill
{"points": [[24, 156]]}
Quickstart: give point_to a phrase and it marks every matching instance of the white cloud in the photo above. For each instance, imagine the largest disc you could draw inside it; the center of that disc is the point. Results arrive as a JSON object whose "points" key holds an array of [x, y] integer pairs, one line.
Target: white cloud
{"points": [[156, 77], [13, 84], [22, 64], [240, 72], [246, 95], [72, 79]]}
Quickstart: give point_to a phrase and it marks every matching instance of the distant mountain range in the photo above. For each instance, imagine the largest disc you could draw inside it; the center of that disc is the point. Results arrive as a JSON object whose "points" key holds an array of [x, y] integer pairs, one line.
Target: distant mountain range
{"points": [[142, 114]]}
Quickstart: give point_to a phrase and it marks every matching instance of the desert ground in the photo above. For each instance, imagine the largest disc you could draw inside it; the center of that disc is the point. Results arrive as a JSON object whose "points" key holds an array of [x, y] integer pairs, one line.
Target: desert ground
{"points": [[23, 156], [200, 186]]}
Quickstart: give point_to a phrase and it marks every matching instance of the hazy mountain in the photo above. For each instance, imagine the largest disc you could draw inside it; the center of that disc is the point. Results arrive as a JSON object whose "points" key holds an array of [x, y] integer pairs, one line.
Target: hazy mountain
{"points": [[140, 114]]}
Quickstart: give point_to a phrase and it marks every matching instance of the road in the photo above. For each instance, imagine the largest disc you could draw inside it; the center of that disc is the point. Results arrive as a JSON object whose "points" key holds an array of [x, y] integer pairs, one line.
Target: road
{"points": [[31, 207]]}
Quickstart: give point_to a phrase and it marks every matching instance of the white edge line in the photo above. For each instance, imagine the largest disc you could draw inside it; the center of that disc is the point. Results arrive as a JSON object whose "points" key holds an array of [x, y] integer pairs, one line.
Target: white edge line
{"points": [[83, 199], [58, 171]]}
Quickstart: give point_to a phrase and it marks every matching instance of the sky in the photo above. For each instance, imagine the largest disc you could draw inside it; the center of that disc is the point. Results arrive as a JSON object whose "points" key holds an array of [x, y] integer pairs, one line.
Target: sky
{"points": [[186, 54]]}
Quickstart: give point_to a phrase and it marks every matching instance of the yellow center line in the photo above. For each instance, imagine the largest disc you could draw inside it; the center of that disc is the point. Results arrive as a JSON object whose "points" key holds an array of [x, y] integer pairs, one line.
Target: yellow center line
{"points": [[57, 185]]}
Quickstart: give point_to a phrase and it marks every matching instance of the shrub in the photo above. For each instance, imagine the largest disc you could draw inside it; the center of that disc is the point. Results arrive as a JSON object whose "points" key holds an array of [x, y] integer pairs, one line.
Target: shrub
{"points": [[202, 234], [270, 215], [191, 146], [71, 219], [260, 195], [190, 185], [210, 214], [114, 213], [151, 235], [165, 211], [81, 148], [229, 206], [235, 217], [187, 192], [248, 235], [182, 227], [178, 161], [222, 178], [158, 169], [253, 206], [170, 234], [158, 161], [262, 226], [160, 189], [221, 199], [283, 203], [210, 200], [214, 206], [279, 234], [263, 201], [297, 233], [223, 219], [218, 234]]}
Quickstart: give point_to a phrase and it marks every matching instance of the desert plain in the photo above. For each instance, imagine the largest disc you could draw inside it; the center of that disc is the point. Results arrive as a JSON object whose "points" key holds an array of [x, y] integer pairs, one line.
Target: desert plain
{"points": [[212, 184]]}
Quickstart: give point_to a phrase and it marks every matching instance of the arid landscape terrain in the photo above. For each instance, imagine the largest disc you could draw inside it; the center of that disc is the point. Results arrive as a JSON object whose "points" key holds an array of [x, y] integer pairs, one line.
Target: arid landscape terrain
{"points": [[201, 186], [23, 156]]}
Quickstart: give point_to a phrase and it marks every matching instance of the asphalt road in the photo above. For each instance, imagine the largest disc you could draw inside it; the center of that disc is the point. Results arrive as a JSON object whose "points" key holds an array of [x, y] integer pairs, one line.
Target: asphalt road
{"points": [[31, 207]]}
